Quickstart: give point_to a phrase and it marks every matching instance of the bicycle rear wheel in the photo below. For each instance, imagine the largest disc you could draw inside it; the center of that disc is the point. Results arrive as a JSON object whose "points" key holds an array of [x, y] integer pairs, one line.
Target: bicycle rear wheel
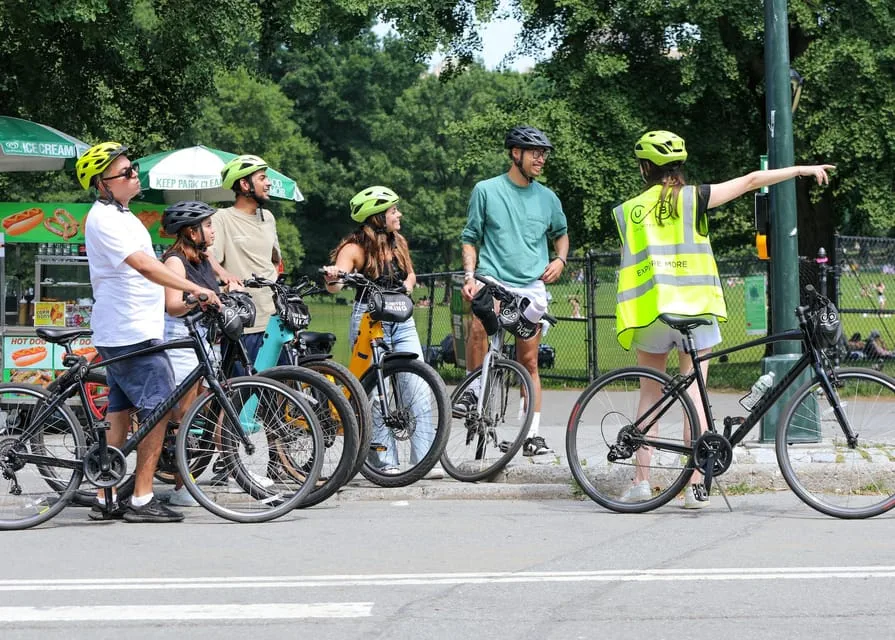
{"points": [[817, 462], [33, 491], [410, 436], [602, 421], [351, 387], [480, 445], [274, 418], [339, 431]]}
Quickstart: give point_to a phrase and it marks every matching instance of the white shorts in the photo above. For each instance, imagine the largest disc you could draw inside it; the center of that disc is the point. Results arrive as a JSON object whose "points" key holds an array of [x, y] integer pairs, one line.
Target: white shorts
{"points": [[660, 338], [535, 291]]}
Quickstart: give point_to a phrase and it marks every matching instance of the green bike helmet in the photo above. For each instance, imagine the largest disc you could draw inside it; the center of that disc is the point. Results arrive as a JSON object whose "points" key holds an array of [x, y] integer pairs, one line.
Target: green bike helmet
{"points": [[661, 148], [371, 201], [240, 167]]}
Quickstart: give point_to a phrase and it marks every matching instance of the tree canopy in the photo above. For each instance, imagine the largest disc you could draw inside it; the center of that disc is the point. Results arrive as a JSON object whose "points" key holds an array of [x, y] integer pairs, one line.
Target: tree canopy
{"points": [[307, 85]]}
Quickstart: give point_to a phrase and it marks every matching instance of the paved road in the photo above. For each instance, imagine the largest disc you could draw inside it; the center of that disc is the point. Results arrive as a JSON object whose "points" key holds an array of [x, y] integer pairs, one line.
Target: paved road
{"points": [[559, 569]]}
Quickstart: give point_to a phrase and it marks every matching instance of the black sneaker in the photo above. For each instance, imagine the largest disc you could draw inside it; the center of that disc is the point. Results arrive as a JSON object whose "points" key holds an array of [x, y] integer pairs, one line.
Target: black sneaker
{"points": [[153, 511], [465, 403], [535, 446], [100, 512]]}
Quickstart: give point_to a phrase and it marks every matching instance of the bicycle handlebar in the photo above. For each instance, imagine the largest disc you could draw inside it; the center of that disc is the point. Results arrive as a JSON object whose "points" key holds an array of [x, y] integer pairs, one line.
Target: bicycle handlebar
{"points": [[506, 295]]}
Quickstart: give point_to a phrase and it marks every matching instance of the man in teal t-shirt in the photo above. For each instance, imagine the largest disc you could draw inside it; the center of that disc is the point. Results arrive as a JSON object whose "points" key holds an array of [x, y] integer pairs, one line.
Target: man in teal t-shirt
{"points": [[510, 218]]}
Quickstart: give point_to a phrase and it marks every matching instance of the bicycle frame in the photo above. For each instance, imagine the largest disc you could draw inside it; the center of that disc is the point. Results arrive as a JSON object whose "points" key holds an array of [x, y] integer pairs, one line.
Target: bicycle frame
{"points": [[75, 383], [810, 358]]}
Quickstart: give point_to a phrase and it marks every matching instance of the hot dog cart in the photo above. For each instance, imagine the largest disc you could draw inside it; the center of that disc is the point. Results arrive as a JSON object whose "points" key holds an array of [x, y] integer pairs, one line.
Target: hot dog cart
{"points": [[59, 293]]}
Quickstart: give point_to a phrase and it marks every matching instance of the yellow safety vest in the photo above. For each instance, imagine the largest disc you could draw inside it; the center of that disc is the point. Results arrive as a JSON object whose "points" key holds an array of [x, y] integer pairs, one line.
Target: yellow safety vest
{"points": [[665, 268]]}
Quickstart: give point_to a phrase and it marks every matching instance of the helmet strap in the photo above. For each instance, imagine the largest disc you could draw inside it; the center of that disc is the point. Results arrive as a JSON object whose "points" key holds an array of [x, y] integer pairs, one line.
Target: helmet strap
{"points": [[104, 196]]}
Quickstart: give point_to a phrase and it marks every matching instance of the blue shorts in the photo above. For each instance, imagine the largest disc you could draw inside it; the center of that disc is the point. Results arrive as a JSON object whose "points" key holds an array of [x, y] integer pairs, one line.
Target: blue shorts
{"points": [[143, 382]]}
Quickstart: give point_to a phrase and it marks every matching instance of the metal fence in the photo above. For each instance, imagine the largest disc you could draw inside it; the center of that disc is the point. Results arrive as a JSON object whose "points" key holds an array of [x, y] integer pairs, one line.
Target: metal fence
{"points": [[861, 275], [583, 344]]}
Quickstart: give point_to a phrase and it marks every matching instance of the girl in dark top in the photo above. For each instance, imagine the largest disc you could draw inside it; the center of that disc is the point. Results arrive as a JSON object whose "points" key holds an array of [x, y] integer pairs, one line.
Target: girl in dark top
{"points": [[190, 222]]}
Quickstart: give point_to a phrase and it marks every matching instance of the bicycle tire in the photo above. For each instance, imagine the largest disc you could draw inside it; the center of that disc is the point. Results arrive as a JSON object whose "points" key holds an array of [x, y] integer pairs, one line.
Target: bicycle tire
{"points": [[606, 410], [434, 401], [40, 491], [356, 395], [473, 451], [817, 462], [269, 408], [339, 430]]}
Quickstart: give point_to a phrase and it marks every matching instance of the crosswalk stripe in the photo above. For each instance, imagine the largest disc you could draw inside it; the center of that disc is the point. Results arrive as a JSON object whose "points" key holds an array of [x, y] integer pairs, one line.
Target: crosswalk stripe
{"points": [[423, 579], [119, 613]]}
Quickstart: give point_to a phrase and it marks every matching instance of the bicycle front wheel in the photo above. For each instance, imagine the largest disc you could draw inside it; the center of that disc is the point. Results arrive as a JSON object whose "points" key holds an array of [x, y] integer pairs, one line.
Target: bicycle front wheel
{"points": [[606, 451], [410, 433], [339, 431], [481, 444], [40, 463], [246, 484], [838, 478]]}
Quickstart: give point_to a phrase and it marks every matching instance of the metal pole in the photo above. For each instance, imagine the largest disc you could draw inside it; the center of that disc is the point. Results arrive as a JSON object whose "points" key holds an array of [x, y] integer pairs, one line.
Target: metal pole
{"points": [[783, 236], [590, 306], [784, 221]]}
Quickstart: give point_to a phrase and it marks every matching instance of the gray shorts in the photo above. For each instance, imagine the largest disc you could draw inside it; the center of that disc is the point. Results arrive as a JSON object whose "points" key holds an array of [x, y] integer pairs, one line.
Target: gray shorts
{"points": [[143, 382], [660, 338]]}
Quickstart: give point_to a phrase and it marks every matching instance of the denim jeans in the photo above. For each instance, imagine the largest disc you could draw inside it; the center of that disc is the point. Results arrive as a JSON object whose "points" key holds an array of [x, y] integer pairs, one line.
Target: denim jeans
{"points": [[401, 336]]}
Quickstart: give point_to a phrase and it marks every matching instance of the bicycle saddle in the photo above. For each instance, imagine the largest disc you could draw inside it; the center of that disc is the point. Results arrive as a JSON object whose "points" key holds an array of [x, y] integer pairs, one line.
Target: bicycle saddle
{"points": [[61, 336], [683, 322]]}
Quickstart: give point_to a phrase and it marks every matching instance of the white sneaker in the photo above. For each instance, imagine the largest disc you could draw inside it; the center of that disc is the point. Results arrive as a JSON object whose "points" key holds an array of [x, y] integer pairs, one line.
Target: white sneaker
{"points": [[178, 498], [696, 497], [390, 471], [262, 481], [435, 473], [637, 492]]}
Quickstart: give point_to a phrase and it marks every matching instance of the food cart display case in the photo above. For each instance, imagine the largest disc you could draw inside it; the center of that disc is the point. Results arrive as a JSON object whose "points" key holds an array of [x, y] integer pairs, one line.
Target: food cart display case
{"points": [[60, 294]]}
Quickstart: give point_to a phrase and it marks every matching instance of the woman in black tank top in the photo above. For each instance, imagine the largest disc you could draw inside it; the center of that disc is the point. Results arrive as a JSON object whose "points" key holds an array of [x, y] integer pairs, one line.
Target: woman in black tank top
{"points": [[190, 222]]}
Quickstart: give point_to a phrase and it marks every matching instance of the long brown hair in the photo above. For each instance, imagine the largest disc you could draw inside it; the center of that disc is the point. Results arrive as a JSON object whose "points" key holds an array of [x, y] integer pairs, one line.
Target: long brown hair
{"points": [[379, 247], [671, 177], [185, 246]]}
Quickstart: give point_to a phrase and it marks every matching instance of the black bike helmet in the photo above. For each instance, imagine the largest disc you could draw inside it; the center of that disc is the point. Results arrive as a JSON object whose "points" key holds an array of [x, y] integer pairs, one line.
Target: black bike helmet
{"points": [[525, 137], [243, 304], [187, 213], [230, 322]]}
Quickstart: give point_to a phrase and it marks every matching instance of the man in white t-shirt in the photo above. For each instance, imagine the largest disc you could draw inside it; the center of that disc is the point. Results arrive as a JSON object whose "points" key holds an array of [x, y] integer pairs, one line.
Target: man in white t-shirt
{"points": [[246, 241], [128, 315]]}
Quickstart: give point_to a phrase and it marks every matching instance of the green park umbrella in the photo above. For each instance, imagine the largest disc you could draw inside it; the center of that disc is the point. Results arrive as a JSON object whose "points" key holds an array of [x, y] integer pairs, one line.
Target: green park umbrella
{"points": [[30, 146], [194, 173]]}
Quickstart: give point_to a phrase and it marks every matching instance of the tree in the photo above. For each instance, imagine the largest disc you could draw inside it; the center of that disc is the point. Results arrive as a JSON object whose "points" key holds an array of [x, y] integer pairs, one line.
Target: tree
{"points": [[252, 115]]}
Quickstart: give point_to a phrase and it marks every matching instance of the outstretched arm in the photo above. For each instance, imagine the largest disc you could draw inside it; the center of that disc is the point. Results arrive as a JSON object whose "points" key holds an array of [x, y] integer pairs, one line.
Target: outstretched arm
{"points": [[724, 192]]}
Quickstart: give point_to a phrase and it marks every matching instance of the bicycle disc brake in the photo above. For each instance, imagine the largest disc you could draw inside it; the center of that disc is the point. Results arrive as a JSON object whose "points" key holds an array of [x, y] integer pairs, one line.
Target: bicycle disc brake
{"points": [[93, 467]]}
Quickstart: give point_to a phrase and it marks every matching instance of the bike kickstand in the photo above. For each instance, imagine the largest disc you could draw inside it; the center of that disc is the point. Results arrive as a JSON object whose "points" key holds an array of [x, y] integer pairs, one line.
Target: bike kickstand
{"points": [[724, 495]]}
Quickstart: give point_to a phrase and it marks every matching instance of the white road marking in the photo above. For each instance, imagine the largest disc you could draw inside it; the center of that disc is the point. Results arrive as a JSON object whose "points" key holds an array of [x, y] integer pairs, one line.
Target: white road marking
{"points": [[118, 613], [433, 579]]}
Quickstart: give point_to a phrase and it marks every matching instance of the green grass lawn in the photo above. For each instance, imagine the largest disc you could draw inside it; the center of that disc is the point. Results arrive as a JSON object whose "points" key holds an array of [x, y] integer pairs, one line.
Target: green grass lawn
{"points": [[569, 337]]}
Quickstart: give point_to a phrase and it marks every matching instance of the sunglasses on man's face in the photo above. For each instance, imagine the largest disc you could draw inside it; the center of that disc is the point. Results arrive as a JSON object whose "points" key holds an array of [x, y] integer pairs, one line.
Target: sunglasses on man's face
{"points": [[132, 171]]}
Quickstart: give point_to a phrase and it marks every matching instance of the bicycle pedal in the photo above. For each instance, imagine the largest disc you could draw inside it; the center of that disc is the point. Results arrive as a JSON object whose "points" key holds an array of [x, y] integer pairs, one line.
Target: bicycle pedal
{"points": [[730, 422], [377, 447], [504, 446]]}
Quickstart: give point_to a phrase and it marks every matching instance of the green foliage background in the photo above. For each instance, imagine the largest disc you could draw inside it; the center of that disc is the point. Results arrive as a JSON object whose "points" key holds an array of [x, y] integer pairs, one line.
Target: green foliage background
{"points": [[307, 85]]}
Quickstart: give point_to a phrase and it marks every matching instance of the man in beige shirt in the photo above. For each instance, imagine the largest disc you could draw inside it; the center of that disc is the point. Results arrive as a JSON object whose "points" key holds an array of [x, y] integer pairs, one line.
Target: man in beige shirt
{"points": [[246, 241]]}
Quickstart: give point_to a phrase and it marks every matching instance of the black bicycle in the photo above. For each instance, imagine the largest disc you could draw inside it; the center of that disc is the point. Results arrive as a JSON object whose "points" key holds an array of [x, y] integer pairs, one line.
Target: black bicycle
{"points": [[835, 439], [45, 454]]}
